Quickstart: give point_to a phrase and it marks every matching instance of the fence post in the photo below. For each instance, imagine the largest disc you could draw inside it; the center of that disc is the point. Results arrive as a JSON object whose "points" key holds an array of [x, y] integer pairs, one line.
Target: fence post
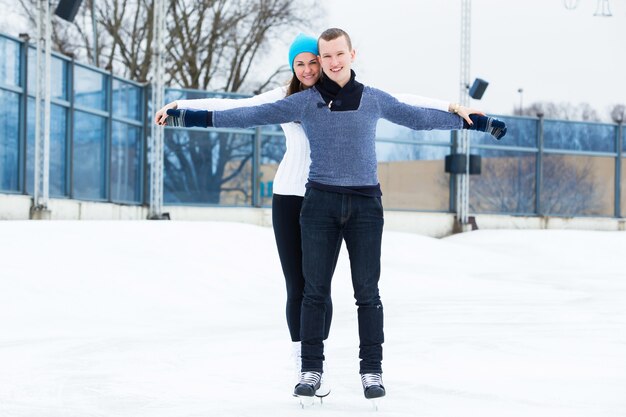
{"points": [[23, 112], [70, 127], [539, 167], [618, 168], [454, 136], [256, 168], [109, 138]]}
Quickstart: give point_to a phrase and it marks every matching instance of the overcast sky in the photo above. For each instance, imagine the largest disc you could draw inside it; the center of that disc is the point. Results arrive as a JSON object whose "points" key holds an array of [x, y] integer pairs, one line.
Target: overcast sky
{"points": [[554, 54], [413, 46]]}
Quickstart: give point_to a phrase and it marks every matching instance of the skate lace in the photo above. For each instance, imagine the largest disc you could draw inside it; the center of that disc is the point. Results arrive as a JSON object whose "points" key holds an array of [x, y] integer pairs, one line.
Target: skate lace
{"points": [[310, 378], [369, 380]]}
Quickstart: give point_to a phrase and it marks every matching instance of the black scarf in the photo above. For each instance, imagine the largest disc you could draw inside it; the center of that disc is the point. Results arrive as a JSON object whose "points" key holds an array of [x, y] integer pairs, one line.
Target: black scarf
{"points": [[338, 98]]}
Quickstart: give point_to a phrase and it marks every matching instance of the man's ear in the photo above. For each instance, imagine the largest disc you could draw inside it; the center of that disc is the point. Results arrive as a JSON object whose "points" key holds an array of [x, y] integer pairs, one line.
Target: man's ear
{"points": [[353, 54]]}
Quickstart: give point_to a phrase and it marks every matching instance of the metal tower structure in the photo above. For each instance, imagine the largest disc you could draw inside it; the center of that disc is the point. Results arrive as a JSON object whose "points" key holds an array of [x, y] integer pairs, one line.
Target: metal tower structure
{"points": [[463, 145], [39, 208], [602, 7], [158, 92]]}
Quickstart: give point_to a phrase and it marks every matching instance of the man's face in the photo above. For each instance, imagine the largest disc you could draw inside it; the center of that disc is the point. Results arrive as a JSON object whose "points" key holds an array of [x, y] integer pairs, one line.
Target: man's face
{"points": [[336, 57]]}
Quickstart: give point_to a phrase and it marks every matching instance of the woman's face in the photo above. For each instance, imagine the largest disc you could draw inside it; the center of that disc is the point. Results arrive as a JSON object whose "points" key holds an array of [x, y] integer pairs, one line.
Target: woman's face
{"points": [[307, 68]]}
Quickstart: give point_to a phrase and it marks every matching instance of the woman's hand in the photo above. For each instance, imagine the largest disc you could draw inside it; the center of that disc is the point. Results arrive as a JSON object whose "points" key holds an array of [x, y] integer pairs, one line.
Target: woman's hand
{"points": [[465, 112], [161, 115]]}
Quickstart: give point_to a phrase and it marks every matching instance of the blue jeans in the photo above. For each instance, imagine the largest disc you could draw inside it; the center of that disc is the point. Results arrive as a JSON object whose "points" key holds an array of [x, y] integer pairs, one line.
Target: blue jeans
{"points": [[327, 218]]}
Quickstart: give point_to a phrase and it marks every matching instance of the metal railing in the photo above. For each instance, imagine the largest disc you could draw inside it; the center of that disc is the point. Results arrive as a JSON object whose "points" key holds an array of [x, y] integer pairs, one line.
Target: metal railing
{"points": [[99, 147]]}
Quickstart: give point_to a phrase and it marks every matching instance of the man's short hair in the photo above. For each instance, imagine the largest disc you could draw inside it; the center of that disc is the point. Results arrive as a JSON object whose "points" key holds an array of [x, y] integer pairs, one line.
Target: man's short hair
{"points": [[334, 33]]}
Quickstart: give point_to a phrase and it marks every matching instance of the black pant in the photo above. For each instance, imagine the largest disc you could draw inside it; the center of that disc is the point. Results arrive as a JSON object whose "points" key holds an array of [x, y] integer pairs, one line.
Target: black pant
{"points": [[286, 222]]}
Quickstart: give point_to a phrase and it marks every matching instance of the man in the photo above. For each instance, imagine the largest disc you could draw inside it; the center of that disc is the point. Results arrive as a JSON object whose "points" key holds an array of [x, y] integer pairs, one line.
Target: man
{"points": [[343, 197]]}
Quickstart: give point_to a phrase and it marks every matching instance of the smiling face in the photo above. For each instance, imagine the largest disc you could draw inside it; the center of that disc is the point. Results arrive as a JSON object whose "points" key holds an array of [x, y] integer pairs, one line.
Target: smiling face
{"points": [[307, 68], [337, 56]]}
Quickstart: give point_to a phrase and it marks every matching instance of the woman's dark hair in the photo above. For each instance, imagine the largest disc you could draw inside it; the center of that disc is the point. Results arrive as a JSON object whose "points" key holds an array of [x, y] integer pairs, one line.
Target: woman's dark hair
{"points": [[294, 86]]}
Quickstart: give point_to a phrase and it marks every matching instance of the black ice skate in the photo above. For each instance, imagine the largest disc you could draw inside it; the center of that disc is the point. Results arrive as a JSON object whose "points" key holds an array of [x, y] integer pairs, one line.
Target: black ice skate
{"points": [[373, 387], [305, 389]]}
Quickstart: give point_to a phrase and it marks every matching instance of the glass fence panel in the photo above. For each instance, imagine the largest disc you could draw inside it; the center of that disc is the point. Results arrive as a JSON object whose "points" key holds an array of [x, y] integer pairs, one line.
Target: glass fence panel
{"points": [[578, 136], [521, 132], [58, 76], [126, 159], [387, 130], [89, 156], [172, 94], [59, 81], [576, 185], [9, 143], [412, 176], [126, 100], [89, 88], [623, 189], [272, 151], [58, 150], [207, 167], [506, 183], [9, 62]]}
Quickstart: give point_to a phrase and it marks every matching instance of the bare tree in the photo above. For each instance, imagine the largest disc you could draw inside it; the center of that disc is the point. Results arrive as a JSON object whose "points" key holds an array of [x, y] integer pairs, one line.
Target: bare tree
{"points": [[569, 186], [506, 185], [563, 111], [618, 112], [214, 45], [211, 44]]}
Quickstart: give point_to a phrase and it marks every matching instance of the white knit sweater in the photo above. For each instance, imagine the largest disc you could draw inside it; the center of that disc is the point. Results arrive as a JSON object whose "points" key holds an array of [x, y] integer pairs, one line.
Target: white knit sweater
{"points": [[293, 170]]}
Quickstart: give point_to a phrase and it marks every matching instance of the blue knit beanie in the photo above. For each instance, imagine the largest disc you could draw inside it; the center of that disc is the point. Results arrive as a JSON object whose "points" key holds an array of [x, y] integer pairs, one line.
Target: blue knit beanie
{"points": [[302, 43]]}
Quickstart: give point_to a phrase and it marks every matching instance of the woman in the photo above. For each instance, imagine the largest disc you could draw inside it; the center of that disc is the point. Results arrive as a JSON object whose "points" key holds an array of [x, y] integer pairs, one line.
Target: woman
{"points": [[292, 174]]}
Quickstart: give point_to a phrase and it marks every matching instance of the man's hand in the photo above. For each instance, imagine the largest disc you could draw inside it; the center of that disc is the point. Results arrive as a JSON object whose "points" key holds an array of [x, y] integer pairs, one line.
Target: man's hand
{"points": [[188, 118], [495, 127]]}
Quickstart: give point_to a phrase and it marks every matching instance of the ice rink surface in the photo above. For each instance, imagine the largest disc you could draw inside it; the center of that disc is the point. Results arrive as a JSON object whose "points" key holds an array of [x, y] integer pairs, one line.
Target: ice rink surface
{"points": [[186, 319]]}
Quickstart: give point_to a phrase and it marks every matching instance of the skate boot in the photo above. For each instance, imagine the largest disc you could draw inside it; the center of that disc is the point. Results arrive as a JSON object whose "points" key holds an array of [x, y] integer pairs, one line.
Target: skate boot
{"points": [[324, 388], [373, 388], [297, 362], [305, 389]]}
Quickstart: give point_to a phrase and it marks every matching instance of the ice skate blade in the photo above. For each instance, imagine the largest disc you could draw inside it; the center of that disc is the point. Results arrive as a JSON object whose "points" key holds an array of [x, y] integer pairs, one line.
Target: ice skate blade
{"points": [[322, 398], [306, 401], [376, 403]]}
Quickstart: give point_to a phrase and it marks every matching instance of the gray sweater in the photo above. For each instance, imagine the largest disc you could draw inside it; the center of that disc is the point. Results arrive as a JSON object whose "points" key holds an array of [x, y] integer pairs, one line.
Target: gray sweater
{"points": [[343, 150]]}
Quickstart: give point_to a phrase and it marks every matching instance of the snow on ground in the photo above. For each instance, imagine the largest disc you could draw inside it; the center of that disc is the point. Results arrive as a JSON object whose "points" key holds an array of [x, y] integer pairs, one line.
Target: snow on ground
{"points": [[185, 319]]}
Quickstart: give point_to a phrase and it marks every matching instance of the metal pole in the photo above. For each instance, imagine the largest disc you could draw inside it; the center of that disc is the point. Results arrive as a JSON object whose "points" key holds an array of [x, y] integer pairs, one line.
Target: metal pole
{"points": [[618, 170], [42, 113], [257, 201], [23, 110], [539, 167], [462, 191], [94, 29], [158, 92]]}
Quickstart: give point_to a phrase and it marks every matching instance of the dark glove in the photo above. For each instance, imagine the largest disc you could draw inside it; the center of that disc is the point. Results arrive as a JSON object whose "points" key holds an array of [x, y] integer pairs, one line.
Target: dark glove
{"points": [[495, 127], [188, 118]]}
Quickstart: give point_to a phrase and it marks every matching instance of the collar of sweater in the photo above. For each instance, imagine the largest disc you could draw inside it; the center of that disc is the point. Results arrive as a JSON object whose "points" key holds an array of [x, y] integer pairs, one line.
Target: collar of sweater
{"points": [[339, 98]]}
